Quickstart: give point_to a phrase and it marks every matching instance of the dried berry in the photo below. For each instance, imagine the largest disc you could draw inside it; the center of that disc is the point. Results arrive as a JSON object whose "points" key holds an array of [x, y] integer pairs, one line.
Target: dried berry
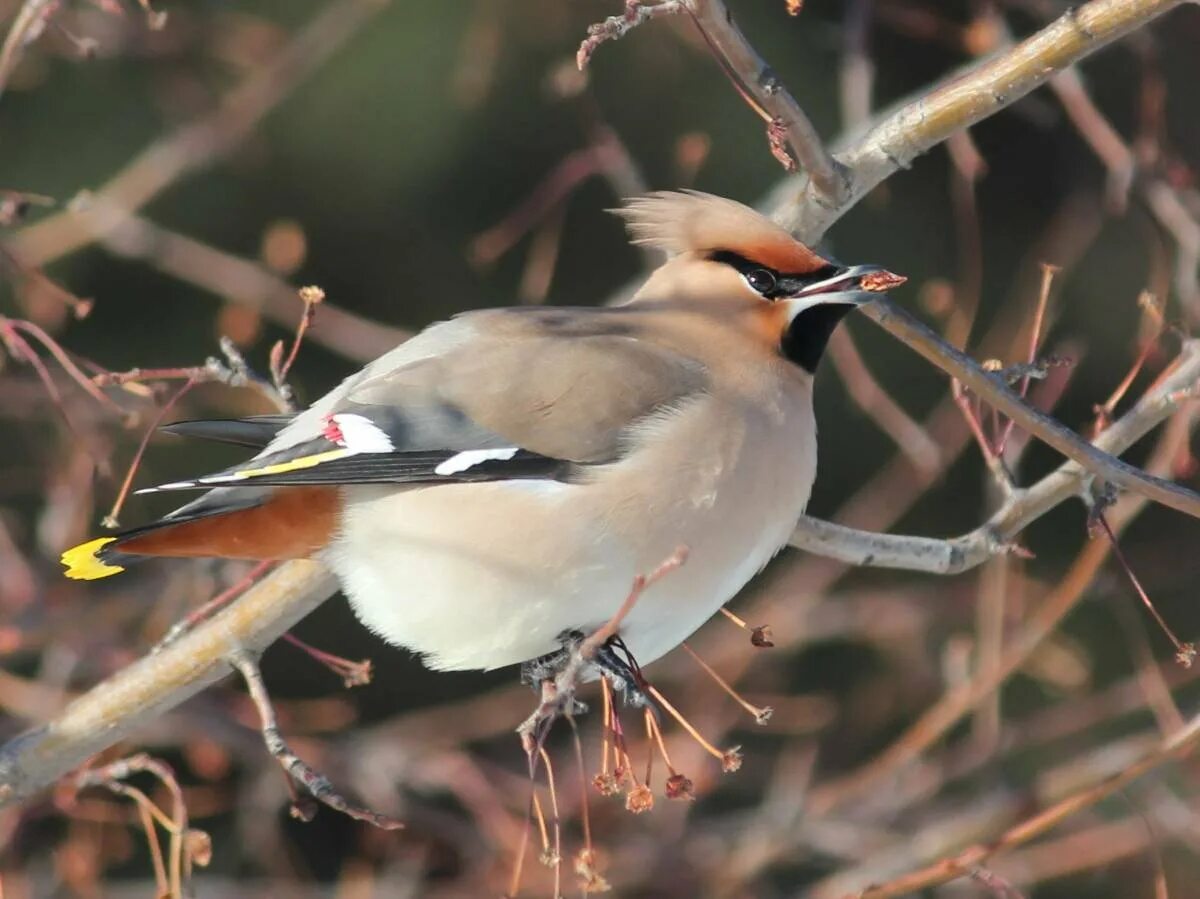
{"points": [[878, 282]]}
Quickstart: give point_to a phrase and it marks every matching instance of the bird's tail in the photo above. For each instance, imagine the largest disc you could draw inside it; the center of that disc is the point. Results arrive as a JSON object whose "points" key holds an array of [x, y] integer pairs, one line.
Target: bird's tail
{"points": [[288, 523], [97, 558]]}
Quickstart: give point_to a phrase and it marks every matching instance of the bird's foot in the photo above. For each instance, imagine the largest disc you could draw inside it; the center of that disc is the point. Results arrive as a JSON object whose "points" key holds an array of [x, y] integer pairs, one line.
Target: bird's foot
{"points": [[556, 675], [622, 671], [552, 664]]}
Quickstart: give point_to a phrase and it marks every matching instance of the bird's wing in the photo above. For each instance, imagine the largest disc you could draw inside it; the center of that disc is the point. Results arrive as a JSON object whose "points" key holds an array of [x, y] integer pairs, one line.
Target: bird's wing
{"points": [[256, 431], [489, 396]]}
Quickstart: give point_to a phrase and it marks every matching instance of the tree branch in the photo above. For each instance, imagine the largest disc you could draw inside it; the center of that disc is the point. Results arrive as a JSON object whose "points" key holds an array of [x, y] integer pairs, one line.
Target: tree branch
{"points": [[27, 27], [1174, 747], [991, 388], [959, 554], [116, 707], [767, 92], [199, 142], [980, 90], [790, 133]]}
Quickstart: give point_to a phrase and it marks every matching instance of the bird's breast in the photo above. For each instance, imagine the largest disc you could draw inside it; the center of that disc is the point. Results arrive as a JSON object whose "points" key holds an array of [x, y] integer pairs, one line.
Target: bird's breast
{"points": [[721, 477]]}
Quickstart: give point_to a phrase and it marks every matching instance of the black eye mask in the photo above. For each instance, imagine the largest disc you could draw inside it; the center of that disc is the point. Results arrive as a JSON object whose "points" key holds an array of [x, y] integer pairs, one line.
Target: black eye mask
{"points": [[772, 284]]}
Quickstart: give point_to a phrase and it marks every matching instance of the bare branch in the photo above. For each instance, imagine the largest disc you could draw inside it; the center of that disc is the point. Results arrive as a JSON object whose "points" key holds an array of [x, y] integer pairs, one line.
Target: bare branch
{"points": [[200, 142], [769, 95], [969, 550], [27, 27], [959, 101], [238, 280], [963, 864], [961, 699], [295, 768], [994, 391], [118, 706], [790, 134], [616, 27]]}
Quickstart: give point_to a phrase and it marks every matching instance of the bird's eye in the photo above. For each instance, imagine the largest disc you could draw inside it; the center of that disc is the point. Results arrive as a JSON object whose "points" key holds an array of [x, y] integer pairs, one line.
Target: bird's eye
{"points": [[761, 280]]}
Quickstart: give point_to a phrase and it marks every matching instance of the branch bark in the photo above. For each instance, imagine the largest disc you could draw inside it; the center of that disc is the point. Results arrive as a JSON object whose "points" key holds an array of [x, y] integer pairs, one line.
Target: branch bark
{"points": [[962, 553], [199, 142], [828, 178], [116, 707], [978, 91]]}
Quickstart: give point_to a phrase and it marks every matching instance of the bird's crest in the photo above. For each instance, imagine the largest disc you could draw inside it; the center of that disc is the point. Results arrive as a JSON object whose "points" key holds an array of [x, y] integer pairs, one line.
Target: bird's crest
{"points": [[691, 221]]}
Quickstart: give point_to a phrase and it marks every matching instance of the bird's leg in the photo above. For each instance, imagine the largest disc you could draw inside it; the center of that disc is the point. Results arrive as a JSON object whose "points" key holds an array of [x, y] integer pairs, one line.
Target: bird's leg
{"points": [[623, 672], [555, 676], [547, 667], [558, 673]]}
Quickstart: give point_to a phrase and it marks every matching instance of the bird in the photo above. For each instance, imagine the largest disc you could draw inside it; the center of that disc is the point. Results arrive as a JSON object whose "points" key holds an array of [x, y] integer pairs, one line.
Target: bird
{"points": [[494, 484]]}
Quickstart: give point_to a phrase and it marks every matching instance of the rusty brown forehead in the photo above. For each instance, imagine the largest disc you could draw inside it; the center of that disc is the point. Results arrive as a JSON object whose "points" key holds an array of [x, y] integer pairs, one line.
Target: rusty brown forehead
{"points": [[782, 255]]}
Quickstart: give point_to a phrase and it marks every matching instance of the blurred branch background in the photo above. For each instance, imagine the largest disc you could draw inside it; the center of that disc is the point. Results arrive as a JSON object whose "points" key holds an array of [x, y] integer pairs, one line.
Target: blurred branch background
{"points": [[171, 180]]}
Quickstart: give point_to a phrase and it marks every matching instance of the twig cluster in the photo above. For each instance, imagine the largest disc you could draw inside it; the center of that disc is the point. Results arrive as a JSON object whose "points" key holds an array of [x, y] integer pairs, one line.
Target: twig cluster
{"points": [[230, 633]]}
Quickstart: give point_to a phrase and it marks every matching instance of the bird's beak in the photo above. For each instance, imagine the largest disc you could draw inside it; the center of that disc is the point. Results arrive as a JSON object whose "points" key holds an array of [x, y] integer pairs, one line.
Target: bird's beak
{"points": [[851, 286]]}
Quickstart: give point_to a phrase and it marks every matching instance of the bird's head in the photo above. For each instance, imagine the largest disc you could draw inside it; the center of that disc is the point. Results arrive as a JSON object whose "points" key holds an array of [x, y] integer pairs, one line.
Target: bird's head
{"points": [[726, 258]]}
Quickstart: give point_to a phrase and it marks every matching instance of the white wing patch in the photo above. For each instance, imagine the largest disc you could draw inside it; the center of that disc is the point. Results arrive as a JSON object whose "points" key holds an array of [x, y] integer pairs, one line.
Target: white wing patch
{"points": [[352, 434], [470, 458], [360, 435]]}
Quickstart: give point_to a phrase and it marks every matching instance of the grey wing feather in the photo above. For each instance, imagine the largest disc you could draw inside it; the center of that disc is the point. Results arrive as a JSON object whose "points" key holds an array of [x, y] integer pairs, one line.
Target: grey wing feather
{"points": [[256, 431], [519, 395], [570, 396]]}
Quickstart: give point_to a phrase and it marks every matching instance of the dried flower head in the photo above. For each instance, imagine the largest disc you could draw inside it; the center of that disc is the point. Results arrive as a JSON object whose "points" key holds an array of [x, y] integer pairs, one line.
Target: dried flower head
{"points": [[587, 869], [762, 637], [1186, 655], [197, 844], [311, 294], [731, 760], [304, 808], [606, 784], [640, 799], [680, 787]]}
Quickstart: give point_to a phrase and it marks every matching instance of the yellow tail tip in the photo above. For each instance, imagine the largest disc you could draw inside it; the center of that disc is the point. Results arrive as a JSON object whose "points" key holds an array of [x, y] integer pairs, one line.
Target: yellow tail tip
{"points": [[83, 561]]}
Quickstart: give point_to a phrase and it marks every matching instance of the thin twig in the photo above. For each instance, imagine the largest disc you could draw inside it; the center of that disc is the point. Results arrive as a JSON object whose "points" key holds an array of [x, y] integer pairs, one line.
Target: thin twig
{"points": [[993, 390], [317, 785], [616, 27], [27, 27], [111, 519], [1176, 746], [1185, 653], [200, 142], [970, 95], [770, 98], [934, 723]]}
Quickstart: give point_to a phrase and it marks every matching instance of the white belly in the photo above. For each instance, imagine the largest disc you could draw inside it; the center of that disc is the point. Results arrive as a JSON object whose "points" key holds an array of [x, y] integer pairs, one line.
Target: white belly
{"points": [[486, 575]]}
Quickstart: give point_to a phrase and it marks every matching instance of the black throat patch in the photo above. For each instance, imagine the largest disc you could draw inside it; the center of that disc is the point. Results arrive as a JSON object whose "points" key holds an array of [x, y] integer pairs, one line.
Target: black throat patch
{"points": [[808, 334]]}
